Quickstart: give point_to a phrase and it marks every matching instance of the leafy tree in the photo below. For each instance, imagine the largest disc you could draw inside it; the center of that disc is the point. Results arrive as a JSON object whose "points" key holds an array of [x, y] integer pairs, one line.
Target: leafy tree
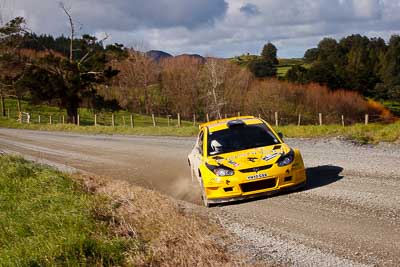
{"points": [[390, 71], [325, 74], [297, 74], [262, 68], [69, 81], [72, 74], [269, 54], [266, 66], [311, 55]]}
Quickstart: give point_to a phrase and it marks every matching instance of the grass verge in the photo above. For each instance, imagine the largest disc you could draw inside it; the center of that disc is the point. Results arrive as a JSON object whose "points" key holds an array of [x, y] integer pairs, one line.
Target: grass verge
{"points": [[51, 219], [47, 219], [139, 130], [364, 134]]}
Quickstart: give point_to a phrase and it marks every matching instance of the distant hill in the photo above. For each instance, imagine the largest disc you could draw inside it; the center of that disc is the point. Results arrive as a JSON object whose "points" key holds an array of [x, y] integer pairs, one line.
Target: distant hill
{"points": [[157, 55], [196, 56]]}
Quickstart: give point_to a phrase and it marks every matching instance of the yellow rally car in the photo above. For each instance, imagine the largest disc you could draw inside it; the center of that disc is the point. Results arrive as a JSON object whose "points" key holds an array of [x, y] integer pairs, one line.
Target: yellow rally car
{"points": [[243, 157]]}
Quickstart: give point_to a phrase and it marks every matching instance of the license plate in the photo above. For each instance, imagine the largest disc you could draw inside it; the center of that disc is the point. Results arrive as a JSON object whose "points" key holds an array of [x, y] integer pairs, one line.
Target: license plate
{"points": [[257, 176]]}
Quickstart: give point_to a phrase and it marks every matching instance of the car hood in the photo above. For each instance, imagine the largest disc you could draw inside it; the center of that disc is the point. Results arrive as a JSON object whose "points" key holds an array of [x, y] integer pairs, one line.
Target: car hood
{"points": [[249, 158]]}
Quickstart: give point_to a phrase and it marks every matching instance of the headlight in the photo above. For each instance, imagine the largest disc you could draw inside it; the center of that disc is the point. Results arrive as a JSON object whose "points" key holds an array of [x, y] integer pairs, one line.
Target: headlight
{"points": [[286, 159], [220, 170]]}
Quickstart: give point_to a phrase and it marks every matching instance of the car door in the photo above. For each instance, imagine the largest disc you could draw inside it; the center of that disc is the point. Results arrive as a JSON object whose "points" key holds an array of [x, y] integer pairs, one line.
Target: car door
{"points": [[198, 154]]}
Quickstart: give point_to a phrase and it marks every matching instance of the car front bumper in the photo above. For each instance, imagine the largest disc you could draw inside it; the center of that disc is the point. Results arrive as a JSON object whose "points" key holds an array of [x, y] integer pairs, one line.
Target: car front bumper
{"points": [[238, 189], [272, 191]]}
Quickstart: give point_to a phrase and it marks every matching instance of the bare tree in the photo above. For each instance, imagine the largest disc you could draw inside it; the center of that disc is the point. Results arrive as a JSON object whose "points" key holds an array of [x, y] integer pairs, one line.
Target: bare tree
{"points": [[181, 84], [138, 73], [67, 12], [215, 70]]}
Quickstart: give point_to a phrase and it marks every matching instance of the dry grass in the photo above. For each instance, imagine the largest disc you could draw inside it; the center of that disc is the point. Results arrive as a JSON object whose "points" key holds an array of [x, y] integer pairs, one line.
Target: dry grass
{"points": [[172, 236]]}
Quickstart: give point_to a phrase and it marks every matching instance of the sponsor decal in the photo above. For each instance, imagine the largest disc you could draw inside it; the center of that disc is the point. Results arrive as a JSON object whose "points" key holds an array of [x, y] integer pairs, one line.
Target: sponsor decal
{"points": [[269, 157], [235, 164], [257, 176]]}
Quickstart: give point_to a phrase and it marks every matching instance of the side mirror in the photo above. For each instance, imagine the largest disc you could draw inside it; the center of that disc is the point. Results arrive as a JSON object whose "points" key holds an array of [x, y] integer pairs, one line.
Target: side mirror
{"points": [[280, 135]]}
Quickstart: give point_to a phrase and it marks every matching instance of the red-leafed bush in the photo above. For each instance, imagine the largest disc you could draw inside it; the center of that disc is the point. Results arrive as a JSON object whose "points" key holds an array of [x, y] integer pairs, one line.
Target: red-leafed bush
{"points": [[289, 100]]}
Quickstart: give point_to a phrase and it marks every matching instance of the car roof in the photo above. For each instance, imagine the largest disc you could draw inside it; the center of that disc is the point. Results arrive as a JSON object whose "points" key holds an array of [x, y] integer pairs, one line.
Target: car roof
{"points": [[222, 124]]}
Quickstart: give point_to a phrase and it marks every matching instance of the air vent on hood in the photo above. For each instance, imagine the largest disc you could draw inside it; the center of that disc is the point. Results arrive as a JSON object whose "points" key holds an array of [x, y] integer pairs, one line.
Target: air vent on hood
{"points": [[256, 169]]}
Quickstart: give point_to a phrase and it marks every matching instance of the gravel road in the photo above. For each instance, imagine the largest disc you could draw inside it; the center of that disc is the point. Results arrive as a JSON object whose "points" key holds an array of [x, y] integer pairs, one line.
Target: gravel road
{"points": [[348, 216]]}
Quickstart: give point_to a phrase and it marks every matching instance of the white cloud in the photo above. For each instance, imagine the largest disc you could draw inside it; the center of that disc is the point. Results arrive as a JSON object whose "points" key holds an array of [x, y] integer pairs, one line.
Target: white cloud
{"points": [[220, 27]]}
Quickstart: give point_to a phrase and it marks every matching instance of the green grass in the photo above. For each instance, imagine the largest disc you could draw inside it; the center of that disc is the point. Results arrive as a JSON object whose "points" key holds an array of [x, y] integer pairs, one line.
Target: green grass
{"points": [[137, 130], [282, 70], [372, 133], [104, 118], [46, 219], [285, 64]]}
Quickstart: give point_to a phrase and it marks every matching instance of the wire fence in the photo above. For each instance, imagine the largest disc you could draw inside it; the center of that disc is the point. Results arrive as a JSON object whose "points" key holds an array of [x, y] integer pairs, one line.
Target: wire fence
{"points": [[125, 119]]}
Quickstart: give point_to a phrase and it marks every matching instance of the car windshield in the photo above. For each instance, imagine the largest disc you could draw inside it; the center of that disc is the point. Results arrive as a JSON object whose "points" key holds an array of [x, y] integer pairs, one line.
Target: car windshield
{"points": [[240, 138]]}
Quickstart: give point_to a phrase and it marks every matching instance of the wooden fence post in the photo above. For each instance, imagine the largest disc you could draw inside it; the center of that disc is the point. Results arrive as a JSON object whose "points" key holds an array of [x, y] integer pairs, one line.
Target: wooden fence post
{"points": [[168, 119], [194, 119], [132, 121], [208, 117], [39, 119], [154, 120], [78, 121], [95, 119], [179, 120], [239, 114], [259, 116], [112, 120], [63, 119], [299, 120], [276, 119], [320, 118], [366, 119], [8, 113], [50, 120], [343, 120]]}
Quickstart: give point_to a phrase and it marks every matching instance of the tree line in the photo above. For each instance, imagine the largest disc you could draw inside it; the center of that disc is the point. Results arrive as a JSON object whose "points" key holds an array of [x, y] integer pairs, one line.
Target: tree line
{"points": [[369, 66]]}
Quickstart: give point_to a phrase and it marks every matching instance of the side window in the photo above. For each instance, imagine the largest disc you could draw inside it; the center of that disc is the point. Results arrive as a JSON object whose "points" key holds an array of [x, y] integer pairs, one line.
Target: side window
{"points": [[200, 142]]}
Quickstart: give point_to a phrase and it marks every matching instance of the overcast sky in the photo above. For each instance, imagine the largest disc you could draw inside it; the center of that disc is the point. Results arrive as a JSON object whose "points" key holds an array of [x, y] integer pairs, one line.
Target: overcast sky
{"points": [[221, 28]]}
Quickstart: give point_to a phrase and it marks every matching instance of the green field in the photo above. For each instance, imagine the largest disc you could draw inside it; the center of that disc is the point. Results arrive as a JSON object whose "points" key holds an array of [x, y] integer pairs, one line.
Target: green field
{"points": [[285, 64], [47, 219]]}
